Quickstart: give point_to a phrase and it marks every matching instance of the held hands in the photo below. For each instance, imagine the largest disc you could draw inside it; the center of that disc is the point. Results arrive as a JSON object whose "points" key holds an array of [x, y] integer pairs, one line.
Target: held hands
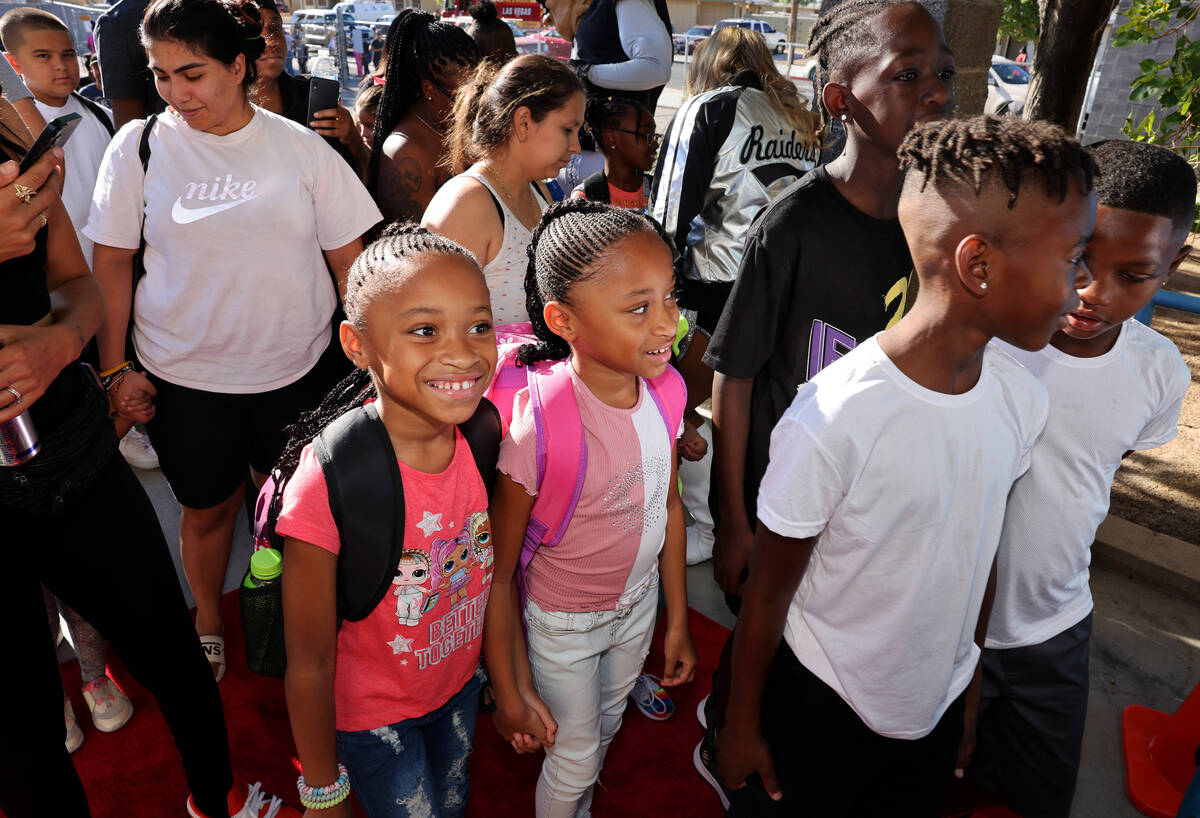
{"points": [[692, 446], [525, 723], [132, 400], [20, 220], [335, 123], [731, 555], [681, 657], [739, 754]]}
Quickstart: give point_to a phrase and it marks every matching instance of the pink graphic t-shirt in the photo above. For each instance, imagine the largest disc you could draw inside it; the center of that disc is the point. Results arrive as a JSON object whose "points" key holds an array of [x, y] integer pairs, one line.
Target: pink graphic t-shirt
{"points": [[610, 550], [421, 644]]}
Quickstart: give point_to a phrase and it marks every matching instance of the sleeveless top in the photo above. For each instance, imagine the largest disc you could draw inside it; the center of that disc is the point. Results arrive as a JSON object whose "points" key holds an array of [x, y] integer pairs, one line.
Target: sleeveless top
{"points": [[505, 274]]}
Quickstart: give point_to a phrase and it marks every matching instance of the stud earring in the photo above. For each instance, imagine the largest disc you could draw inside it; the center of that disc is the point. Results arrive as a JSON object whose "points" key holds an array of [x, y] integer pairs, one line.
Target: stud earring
{"points": [[983, 285], [844, 117]]}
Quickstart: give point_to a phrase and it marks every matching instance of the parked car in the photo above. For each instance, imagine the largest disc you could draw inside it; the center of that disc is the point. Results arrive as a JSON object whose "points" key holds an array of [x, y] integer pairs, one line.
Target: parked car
{"points": [[1008, 83], [691, 38], [546, 41], [317, 25], [776, 41]]}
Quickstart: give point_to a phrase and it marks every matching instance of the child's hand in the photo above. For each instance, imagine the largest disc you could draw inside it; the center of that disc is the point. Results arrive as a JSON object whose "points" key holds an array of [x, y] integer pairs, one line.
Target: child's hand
{"points": [[739, 755], [681, 658], [966, 747], [526, 723], [691, 445]]}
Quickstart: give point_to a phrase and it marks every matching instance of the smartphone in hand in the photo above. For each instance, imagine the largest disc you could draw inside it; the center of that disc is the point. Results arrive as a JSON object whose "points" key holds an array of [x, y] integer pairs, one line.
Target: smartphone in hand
{"points": [[323, 93], [55, 134]]}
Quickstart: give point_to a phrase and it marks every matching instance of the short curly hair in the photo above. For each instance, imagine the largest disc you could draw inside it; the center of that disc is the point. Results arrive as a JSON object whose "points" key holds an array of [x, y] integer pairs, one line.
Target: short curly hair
{"points": [[1145, 178]]}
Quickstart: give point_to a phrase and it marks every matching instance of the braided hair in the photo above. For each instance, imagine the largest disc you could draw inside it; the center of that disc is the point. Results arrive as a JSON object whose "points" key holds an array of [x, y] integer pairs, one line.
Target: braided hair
{"points": [[419, 47], [971, 152], [606, 112], [220, 29], [571, 242], [1145, 178], [841, 37], [377, 270]]}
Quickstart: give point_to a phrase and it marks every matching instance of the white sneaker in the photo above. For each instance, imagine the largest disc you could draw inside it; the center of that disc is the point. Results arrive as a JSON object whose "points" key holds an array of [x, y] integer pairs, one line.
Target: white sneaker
{"points": [[137, 451], [74, 734], [110, 707]]}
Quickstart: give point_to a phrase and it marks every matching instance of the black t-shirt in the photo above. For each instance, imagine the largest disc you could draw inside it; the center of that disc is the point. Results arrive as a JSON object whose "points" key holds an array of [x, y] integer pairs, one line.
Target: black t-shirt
{"points": [[123, 63], [818, 277]]}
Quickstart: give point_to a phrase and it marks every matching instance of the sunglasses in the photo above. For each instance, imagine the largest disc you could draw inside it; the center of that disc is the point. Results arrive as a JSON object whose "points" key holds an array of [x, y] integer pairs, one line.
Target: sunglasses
{"points": [[651, 137]]}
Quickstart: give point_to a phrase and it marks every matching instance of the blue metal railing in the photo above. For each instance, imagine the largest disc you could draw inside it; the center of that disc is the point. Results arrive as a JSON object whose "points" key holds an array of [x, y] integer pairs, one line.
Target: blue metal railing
{"points": [[1172, 300]]}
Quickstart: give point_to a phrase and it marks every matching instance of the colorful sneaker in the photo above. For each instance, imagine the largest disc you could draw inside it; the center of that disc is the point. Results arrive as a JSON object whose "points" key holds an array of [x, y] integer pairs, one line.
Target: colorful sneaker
{"points": [[250, 802], [136, 449], [704, 757], [74, 733], [110, 707], [649, 696]]}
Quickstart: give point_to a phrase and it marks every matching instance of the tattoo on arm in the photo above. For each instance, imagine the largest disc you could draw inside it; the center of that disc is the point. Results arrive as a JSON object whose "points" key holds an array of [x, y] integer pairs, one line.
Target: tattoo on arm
{"points": [[399, 190]]}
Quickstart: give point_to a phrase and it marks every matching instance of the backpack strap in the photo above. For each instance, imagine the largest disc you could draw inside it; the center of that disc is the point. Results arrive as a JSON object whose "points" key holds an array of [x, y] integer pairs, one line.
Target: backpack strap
{"points": [[362, 473], [139, 258], [595, 188], [669, 393], [144, 142], [483, 432], [100, 114]]}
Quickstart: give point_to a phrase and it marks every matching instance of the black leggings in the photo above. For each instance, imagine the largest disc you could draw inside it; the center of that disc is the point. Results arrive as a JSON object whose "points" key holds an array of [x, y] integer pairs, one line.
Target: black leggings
{"points": [[108, 560]]}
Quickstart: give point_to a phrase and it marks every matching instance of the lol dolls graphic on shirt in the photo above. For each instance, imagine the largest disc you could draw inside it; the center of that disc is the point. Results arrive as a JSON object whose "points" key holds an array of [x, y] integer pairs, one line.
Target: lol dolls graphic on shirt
{"points": [[480, 527], [412, 573], [454, 558]]}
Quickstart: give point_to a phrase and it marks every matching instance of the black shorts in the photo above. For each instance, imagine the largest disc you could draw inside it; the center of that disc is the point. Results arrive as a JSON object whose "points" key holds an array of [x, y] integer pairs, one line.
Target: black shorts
{"points": [[829, 763], [206, 441]]}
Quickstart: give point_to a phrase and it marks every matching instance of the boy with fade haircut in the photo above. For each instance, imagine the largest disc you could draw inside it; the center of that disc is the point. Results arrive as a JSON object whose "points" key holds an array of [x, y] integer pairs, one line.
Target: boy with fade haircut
{"points": [[881, 508], [41, 50], [1116, 386]]}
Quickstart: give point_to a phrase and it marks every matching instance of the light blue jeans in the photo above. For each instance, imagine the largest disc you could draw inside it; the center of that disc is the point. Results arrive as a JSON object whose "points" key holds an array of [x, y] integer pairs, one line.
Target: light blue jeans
{"points": [[416, 767], [584, 665]]}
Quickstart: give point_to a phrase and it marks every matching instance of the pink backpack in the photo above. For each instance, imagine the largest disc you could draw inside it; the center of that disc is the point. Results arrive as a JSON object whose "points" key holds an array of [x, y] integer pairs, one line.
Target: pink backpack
{"points": [[561, 446]]}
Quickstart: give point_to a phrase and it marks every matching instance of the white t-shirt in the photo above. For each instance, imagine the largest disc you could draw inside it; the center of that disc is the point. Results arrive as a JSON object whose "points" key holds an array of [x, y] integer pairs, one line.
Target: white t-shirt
{"points": [[84, 152], [1100, 408], [904, 489], [236, 297]]}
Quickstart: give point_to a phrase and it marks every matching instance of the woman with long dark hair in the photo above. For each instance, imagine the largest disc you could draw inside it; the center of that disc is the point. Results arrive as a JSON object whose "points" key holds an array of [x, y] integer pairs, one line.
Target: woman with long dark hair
{"points": [[426, 62], [241, 215]]}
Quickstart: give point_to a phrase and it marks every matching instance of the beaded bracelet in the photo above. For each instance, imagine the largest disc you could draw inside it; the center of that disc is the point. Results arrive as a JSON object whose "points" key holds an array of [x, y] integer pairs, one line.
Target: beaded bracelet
{"points": [[327, 796]]}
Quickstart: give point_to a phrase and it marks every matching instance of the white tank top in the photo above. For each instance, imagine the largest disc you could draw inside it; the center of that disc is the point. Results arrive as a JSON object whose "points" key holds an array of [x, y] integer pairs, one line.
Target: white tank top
{"points": [[505, 274]]}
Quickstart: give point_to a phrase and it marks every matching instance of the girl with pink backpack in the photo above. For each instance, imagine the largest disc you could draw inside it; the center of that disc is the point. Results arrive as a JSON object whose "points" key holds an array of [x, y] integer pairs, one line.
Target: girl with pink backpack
{"points": [[586, 516]]}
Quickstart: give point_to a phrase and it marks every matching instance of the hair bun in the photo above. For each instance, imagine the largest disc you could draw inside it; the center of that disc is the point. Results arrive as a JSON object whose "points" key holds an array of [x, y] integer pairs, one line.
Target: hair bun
{"points": [[484, 11], [246, 14]]}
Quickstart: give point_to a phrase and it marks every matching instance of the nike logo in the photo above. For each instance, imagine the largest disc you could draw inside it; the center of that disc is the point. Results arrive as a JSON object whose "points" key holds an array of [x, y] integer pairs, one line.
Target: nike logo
{"points": [[183, 215]]}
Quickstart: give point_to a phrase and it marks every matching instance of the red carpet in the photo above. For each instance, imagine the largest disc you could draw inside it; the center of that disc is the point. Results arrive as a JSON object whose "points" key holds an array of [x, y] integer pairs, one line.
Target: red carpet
{"points": [[135, 772]]}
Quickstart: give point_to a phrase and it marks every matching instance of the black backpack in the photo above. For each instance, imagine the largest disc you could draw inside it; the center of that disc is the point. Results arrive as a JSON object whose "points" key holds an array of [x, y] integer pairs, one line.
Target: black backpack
{"points": [[366, 499]]}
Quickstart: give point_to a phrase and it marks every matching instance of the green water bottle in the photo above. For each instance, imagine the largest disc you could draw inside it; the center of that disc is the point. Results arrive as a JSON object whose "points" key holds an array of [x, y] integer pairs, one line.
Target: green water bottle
{"points": [[266, 564]]}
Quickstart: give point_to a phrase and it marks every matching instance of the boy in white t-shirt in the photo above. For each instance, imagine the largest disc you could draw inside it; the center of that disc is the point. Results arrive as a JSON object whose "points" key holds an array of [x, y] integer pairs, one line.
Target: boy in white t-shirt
{"points": [[881, 508], [1115, 386], [40, 49]]}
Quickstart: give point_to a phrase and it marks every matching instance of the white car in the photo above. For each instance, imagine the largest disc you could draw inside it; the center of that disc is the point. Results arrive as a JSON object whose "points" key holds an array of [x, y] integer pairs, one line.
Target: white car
{"points": [[1008, 83], [776, 40]]}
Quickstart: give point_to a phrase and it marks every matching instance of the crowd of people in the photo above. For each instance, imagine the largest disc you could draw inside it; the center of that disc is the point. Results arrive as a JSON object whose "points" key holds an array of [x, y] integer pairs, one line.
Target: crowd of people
{"points": [[920, 357]]}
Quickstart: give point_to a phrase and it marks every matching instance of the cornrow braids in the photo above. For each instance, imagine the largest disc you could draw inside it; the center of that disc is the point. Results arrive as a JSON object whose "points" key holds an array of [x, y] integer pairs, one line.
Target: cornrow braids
{"points": [[419, 47], [376, 268], [605, 113], [371, 273], [841, 37], [969, 151], [570, 243]]}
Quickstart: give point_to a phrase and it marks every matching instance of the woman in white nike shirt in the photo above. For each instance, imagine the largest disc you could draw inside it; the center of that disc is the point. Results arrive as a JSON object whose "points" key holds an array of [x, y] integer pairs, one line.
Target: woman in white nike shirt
{"points": [[238, 212]]}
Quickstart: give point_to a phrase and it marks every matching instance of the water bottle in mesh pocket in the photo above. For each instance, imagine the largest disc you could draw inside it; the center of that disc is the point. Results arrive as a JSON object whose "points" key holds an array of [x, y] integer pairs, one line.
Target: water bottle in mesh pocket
{"points": [[262, 624]]}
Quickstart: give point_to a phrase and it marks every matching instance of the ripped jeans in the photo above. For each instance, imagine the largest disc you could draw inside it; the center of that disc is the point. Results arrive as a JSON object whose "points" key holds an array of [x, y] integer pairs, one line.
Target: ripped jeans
{"points": [[584, 665], [416, 768]]}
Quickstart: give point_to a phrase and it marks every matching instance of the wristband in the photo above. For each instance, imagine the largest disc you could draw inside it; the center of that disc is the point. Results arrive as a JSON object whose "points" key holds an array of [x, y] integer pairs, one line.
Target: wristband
{"points": [[324, 797], [111, 379], [109, 372]]}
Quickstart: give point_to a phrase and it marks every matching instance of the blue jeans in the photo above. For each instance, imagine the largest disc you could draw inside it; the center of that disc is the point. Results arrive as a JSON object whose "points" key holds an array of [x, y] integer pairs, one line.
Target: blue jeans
{"points": [[415, 767]]}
